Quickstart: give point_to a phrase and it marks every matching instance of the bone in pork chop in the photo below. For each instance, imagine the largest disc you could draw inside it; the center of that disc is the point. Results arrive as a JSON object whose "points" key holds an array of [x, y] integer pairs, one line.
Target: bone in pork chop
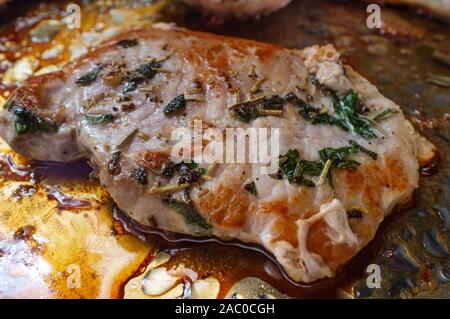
{"points": [[347, 157]]}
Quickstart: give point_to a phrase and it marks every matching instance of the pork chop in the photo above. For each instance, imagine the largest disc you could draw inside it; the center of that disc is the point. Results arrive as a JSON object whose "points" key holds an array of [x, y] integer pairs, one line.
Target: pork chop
{"points": [[347, 155]]}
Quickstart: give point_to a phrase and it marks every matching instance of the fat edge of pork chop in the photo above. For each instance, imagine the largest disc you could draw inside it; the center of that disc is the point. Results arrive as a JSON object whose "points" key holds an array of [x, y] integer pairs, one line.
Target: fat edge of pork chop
{"points": [[110, 104]]}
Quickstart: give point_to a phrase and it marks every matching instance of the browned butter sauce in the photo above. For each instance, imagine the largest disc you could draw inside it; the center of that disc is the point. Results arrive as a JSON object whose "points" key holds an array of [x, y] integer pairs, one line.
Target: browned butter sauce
{"points": [[228, 261]]}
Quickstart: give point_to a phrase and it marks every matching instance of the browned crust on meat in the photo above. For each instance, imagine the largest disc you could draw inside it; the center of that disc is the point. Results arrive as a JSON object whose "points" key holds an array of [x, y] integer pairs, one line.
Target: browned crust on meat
{"points": [[210, 52], [227, 207], [30, 95], [153, 160]]}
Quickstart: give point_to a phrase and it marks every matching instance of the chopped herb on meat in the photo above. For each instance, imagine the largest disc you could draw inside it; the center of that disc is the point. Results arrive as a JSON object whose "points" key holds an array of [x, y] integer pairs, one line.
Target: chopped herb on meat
{"points": [[168, 168], [251, 188], [346, 116], [191, 176], [310, 113], [25, 121], [176, 104], [295, 169], [346, 109], [190, 214], [100, 119], [144, 71], [113, 165], [364, 150], [384, 114], [89, 77], [140, 175], [247, 111], [127, 43], [339, 157], [189, 172]]}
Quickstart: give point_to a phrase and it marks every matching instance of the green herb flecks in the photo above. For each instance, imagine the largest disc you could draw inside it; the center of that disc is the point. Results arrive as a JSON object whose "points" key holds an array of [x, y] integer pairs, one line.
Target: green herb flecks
{"points": [[127, 43], [176, 104], [247, 111], [188, 172], [312, 114], [364, 150], [346, 114], [140, 175], [179, 103], [100, 119], [346, 110], [190, 214], [168, 168], [89, 77], [26, 121], [384, 114], [251, 188], [339, 157], [182, 166], [145, 71], [190, 175], [294, 169], [114, 164]]}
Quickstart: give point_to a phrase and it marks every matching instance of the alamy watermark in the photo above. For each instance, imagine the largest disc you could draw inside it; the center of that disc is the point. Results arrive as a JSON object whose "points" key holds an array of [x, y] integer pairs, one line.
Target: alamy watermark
{"points": [[373, 21], [73, 272], [374, 278], [73, 18]]}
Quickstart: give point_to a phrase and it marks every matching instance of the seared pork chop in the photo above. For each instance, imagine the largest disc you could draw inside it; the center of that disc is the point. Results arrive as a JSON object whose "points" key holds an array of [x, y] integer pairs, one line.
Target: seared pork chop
{"points": [[347, 156]]}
